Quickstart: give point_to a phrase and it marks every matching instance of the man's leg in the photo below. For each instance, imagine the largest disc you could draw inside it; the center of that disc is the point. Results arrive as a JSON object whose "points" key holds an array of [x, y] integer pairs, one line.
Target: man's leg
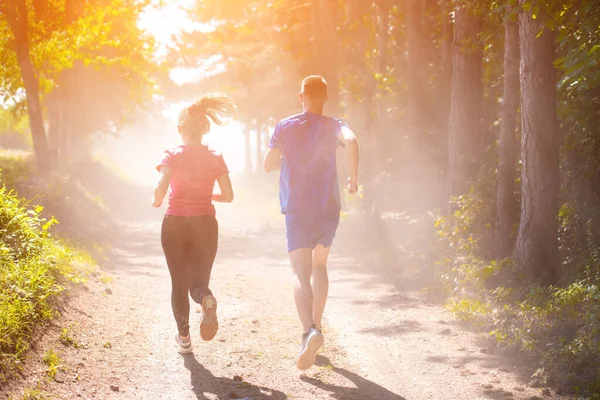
{"points": [[320, 283], [301, 260], [327, 226]]}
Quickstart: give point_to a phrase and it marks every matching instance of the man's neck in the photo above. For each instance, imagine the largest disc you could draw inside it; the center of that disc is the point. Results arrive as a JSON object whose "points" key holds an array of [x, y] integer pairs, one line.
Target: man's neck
{"points": [[313, 110]]}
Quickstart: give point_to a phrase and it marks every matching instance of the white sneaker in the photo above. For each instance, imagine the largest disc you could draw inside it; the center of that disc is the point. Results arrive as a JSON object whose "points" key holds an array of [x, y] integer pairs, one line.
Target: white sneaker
{"points": [[184, 347], [311, 343]]}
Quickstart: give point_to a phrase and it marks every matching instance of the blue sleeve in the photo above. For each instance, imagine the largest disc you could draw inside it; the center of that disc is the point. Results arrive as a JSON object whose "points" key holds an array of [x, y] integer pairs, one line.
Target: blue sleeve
{"points": [[275, 142]]}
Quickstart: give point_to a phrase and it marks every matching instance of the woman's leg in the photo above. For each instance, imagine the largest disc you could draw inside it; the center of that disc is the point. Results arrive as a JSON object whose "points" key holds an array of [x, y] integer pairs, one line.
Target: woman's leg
{"points": [[205, 234], [201, 256], [173, 239]]}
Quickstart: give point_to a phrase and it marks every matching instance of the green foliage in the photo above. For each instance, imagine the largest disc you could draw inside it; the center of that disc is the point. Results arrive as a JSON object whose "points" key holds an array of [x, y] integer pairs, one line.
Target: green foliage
{"points": [[11, 123], [53, 363], [113, 59], [466, 238], [16, 166], [106, 278], [470, 310], [32, 394], [67, 339], [558, 326], [35, 269]]}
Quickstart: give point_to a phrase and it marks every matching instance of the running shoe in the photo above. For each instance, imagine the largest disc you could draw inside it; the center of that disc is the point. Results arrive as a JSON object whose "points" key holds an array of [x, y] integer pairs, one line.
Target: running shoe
{"points": [[311, 343], [184, 346], [208, 321]]}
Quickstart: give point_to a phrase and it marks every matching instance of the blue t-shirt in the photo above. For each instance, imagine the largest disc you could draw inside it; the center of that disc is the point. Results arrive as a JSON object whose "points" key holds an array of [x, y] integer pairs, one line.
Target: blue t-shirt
{"points": [[308, 180]]}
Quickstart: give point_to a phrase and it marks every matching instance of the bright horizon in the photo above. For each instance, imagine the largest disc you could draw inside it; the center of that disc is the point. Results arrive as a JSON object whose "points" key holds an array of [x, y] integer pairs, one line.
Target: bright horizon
{"points": [[164, 22]]}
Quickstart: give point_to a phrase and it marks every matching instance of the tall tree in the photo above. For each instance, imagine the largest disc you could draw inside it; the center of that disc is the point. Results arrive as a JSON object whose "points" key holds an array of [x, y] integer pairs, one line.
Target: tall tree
{"points": [[507, 205], [465, 133], [324, 15], [446, 47], [66, 93], [537, 241], [17, 15], [414, 47]]}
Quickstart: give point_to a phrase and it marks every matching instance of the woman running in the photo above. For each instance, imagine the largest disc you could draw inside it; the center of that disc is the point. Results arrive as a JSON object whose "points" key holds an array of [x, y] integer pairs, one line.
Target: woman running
{"points": [[189, 233]]}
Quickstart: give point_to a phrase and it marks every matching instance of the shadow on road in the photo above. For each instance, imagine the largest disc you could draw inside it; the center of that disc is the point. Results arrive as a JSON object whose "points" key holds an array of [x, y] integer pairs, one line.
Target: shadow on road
{"points": [[204, 382], [365, 389]]}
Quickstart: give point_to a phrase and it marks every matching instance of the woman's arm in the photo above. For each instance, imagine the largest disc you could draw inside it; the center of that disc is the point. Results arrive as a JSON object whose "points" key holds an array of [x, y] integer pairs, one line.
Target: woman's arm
{"points": [[162, 186], [226, 195]]}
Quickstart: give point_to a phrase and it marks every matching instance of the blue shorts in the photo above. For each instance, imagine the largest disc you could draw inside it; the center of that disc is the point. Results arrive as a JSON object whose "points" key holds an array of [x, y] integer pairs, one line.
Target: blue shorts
{"points": [[305, 230]]}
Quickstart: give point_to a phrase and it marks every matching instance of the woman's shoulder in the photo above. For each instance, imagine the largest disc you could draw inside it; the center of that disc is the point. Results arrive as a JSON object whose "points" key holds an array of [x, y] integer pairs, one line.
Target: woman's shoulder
{"points": [[194, 151], [213, 151], [173, 151]]}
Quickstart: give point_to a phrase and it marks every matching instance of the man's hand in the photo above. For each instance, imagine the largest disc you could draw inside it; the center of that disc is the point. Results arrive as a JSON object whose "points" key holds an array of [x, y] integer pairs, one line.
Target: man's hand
{"points": [[352, 186], [349, 139]]}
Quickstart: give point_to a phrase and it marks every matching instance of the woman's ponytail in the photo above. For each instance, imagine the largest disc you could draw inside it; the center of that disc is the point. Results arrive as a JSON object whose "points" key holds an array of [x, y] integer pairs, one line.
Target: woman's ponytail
{"points": [[194, 119]]}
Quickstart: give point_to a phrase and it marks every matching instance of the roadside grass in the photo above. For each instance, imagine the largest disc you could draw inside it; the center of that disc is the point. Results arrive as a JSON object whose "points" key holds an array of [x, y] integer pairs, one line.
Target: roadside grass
{"points": [[53, 363], [36, 267], [556, 329], [32, 394]]}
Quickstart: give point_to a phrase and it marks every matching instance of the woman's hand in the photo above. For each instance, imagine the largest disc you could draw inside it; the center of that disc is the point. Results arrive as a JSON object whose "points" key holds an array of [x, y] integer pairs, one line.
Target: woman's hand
{"points": [[162, 186], [226, 195]]}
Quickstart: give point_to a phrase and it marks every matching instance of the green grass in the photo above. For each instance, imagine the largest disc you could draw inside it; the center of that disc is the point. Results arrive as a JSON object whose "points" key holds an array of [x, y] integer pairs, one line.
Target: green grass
{"points": [[67, 339], [555, 328], [53, 363], [35, 269], [17, 167], [32, 394], [106, 278]]}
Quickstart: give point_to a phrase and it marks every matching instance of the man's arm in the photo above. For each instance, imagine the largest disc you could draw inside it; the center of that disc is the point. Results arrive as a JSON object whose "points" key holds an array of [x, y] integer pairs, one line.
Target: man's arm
{"points": [[272, 161], [350, 141], [162, 186]]}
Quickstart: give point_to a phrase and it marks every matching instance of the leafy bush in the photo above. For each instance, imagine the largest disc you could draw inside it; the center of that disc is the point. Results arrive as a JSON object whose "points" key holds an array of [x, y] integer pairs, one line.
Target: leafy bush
{"points": [[559, 326], [35, 269]]}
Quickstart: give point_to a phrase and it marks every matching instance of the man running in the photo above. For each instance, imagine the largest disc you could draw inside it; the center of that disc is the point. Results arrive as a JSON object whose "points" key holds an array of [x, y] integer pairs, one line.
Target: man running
{"points": [[304, 147]]}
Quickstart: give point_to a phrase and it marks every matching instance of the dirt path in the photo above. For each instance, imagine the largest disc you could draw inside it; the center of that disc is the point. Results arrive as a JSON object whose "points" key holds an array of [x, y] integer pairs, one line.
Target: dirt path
{"points": [[381, 343]]}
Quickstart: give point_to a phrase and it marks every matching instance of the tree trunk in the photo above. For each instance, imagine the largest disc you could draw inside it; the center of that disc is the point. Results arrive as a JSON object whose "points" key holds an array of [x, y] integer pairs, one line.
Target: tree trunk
{"points": [[267, 136], [248, 151], [506, 211], [54, 124], [447, 36], [415, 66], [464, 136], [68, 85], [382, 59], [324, 15], [17, 16], [414, 158], [537, 241], [444, 86], [258, 142]]}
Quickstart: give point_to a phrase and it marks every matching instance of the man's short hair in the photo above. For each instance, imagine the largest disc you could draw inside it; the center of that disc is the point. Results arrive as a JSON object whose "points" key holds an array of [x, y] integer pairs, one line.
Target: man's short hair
{"points": [[314, 86]]}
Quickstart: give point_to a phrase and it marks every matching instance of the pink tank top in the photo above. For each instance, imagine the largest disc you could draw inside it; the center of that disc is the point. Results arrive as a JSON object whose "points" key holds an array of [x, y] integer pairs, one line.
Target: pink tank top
{"points": [[195, 170]]}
